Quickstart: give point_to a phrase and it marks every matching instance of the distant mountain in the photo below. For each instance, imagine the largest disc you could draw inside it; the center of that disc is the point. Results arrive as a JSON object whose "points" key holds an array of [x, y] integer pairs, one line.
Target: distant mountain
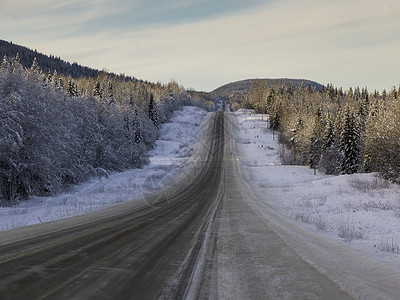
{"points": [[244, 86]]}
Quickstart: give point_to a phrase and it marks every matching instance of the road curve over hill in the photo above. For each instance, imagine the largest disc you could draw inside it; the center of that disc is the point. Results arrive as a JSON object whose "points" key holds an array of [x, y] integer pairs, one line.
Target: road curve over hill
{"points": [[199, 240]]}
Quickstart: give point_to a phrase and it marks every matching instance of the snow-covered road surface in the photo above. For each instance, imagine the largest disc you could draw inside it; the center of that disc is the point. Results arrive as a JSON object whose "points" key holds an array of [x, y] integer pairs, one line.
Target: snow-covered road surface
{"points": [[278, 194], [204, 241], [144, 249], [252, 261], [213, 233]]}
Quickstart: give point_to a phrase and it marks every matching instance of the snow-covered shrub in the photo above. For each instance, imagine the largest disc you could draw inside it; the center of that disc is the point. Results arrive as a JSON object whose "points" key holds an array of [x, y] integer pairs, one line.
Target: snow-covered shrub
{"points": [[311, 218], [349, 231], [365, 185], [390, 246]]}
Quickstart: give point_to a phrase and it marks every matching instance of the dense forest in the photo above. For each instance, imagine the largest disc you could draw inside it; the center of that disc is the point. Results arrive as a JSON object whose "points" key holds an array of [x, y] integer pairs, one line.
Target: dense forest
{"points": [[48, 63], [335, 131], [62, 128], [243, 87], [236, 92]]}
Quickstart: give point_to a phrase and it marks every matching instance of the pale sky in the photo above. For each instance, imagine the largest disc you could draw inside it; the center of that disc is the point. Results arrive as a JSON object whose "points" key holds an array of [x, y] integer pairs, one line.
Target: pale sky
{"points": [[204, 44]]}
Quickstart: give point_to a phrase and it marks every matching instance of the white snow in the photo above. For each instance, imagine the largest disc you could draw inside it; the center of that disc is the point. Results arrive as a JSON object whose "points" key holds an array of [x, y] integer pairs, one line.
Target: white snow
{"points": [[176, 145], [361, 211]]}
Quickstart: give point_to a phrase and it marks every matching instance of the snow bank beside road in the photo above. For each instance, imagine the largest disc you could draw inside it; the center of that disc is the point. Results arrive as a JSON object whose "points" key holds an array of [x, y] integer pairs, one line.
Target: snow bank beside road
{"points": [[361, 211], [174, 147]]}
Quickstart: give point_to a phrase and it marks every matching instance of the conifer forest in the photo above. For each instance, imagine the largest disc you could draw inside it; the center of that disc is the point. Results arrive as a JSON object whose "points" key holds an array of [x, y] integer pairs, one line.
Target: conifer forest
{"points": [[60, 129], [332, 130]]}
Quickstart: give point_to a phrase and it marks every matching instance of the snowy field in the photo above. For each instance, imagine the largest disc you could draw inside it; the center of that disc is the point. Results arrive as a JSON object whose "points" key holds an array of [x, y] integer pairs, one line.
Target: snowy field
{"points": [[360, 211], [176, 145]]}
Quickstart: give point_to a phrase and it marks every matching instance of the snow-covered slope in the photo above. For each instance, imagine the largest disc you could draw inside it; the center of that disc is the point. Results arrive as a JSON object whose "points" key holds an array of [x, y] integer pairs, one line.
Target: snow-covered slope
{"points": [[361, 211], [176, 145]]}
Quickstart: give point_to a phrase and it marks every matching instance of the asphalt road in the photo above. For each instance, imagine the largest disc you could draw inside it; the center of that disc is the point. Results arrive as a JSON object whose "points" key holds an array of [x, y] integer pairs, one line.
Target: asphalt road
{"points": [[200, 241]]}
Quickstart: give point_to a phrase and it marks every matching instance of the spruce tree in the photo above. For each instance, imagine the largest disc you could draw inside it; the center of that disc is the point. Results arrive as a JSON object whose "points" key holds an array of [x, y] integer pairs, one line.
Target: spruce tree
{"points": [[137, 127], [4, 63], [316, 140], [314, 152], [127, 129], [72, 90], [331, 155], [350, 145], [49, 77], [35, 66], [270, 101], [329, 138], [60, 83], [152, 112], [98, 90], [275, 121], [110, 92], [55, 79]]}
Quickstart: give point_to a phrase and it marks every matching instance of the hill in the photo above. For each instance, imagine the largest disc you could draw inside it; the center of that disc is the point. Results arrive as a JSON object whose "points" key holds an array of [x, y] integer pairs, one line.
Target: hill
{"points": [[244, 86], [48, 63]]}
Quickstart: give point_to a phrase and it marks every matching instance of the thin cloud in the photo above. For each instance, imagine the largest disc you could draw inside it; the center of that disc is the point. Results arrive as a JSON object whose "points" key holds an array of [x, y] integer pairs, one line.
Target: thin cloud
{"points": [[345, 42]]}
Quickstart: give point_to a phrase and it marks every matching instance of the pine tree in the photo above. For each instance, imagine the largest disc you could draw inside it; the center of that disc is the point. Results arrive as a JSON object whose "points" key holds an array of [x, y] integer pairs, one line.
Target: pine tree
{"points": [[4, 63], [350, 93], [329, 138], [49, 77], [270, 101], [60, 83], [72, 90], [364, 107], [15, 64], [316, 142], [55, 79], [330, 91], [350, 145], [127, 128], [298, 127], [35, 66], [384, 94], [357, 93], [314, 152], [137, 127], [331, 156], [110, 93], [98, 90], [152, 112], [275, 122]]}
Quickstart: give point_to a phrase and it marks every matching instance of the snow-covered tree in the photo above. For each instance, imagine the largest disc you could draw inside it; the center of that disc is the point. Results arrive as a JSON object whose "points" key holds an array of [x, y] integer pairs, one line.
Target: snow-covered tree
{"points": [[70, 88], [4, 62], [34, 66], [50, 139], [137, 127], [331, 155], [98, 91], [350, 145], [110, 93], [152, 111], [316, 141]]}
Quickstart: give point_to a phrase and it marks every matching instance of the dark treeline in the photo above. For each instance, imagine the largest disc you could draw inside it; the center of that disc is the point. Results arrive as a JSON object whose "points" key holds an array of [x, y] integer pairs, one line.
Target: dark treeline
{"points": [[57, 130], [48, 64], [335, 131]]}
